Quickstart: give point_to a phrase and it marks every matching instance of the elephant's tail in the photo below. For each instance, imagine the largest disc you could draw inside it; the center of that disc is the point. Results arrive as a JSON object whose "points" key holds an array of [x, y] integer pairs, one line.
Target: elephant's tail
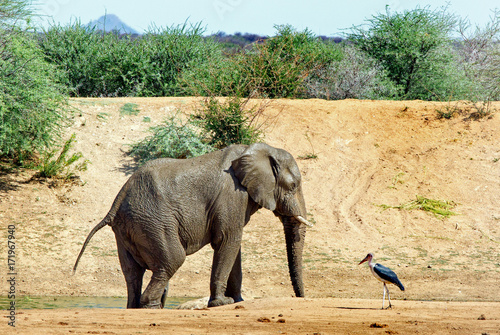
{"points": [[108, 219], [100, 225]]}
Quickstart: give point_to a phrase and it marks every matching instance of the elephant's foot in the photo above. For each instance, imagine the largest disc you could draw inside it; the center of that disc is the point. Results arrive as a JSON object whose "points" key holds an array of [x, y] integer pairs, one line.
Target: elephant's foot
{"points": [[220, 301], [237, 298], [152, 306]]}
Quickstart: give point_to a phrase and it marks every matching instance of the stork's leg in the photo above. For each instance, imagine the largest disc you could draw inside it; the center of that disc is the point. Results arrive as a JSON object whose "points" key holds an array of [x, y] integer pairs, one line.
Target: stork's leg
{"points": [[383, 299], [388, 296]]}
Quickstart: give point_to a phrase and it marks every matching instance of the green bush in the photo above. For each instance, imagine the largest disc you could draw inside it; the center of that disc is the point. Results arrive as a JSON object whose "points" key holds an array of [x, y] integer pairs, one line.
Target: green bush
{"points": [[273, 68], [172, 51], [277, 67], [216, 124], [64, 165], [415, 49], [97, 64], [218, 75], [33, 107], [77, 50], [174, 139], [479, 52], [403, 55], [110, 64], [355, 76], [228, 122]]}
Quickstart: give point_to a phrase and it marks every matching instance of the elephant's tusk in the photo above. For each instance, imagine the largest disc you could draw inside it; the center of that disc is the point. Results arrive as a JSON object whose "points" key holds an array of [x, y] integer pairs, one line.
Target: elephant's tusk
{"points": [[304, 221]]}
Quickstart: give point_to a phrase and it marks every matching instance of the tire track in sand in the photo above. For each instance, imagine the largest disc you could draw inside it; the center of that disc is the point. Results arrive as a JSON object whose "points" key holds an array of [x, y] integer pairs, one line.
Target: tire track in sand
{"points": [[362, 182]]}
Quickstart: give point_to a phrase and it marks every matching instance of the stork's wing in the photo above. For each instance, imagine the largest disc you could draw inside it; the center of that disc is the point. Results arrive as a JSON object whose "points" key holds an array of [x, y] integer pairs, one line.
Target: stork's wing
{"points": [[387, 275]]}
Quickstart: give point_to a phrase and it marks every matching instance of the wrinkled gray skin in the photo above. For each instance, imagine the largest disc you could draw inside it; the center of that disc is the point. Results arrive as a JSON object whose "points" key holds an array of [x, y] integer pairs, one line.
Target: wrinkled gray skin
{"points": [[170, 208]]}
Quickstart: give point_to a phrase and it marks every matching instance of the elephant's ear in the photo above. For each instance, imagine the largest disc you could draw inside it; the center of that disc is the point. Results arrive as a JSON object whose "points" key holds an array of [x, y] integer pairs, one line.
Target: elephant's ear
{"points": [[256, 169]]}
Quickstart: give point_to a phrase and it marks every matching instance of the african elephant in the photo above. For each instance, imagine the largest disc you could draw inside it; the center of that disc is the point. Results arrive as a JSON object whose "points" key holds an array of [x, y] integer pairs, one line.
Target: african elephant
{"points": [[170, 208]]}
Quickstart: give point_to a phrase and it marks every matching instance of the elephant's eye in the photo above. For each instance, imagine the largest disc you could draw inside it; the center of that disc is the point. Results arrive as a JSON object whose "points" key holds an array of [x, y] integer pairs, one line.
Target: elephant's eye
{"points": [[289, 182]]}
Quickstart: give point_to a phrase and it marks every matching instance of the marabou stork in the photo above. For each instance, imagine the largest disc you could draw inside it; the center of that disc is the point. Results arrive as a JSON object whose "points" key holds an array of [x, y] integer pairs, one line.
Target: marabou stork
{"points": [[385, 275]]}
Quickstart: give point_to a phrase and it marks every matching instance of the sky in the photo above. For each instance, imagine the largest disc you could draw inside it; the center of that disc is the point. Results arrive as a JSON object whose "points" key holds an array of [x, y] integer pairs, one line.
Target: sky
{"points": [[322, 17]]}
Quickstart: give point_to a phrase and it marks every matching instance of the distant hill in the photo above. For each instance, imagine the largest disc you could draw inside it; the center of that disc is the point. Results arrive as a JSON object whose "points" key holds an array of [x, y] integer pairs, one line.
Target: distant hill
{"points": [[112, 22]]}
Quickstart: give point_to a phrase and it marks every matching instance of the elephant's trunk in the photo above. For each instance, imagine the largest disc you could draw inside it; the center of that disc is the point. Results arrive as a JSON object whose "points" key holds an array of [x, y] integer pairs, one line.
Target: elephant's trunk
{"points": [[295, 233]]}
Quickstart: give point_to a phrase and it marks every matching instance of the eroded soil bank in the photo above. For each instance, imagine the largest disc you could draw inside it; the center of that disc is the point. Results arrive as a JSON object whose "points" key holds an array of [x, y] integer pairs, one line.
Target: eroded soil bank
{"points": [[370, 154]]}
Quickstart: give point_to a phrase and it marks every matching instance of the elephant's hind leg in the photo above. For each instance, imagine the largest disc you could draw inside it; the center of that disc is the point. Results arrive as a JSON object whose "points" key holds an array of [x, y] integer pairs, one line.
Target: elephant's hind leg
{"points": [[133, 273], [155, 293], [164, 297], [166, 264]]}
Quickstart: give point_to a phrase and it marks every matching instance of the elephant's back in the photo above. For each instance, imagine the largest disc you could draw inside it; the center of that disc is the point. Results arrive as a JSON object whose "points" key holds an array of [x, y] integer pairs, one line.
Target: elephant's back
{"points": [[219, 160], [185, 179]]}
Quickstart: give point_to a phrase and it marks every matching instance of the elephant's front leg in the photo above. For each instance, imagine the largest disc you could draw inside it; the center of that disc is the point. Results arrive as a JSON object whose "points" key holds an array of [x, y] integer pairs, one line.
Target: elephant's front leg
{"points": [[223, 264], [233, 288]]}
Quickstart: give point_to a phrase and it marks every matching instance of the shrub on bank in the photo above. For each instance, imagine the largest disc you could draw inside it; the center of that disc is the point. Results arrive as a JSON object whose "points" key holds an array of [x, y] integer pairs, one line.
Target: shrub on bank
{"points": [[272, 68], [415, 48], [33, 106], [101, 64], [394, 55], [173, 139]]}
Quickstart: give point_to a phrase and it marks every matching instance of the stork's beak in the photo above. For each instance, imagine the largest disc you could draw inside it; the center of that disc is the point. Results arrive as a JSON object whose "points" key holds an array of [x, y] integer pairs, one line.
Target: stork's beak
{"points": [[365, 259]]}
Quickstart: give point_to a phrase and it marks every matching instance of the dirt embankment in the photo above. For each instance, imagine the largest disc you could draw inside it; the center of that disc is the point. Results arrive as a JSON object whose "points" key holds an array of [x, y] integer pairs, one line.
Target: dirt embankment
{"points": [[369, 153]]}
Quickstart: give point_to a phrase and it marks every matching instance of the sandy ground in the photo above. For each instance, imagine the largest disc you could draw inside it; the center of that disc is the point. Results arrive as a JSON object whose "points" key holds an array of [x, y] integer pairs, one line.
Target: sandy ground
{"points": [[273, 316], [369, 153]]}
